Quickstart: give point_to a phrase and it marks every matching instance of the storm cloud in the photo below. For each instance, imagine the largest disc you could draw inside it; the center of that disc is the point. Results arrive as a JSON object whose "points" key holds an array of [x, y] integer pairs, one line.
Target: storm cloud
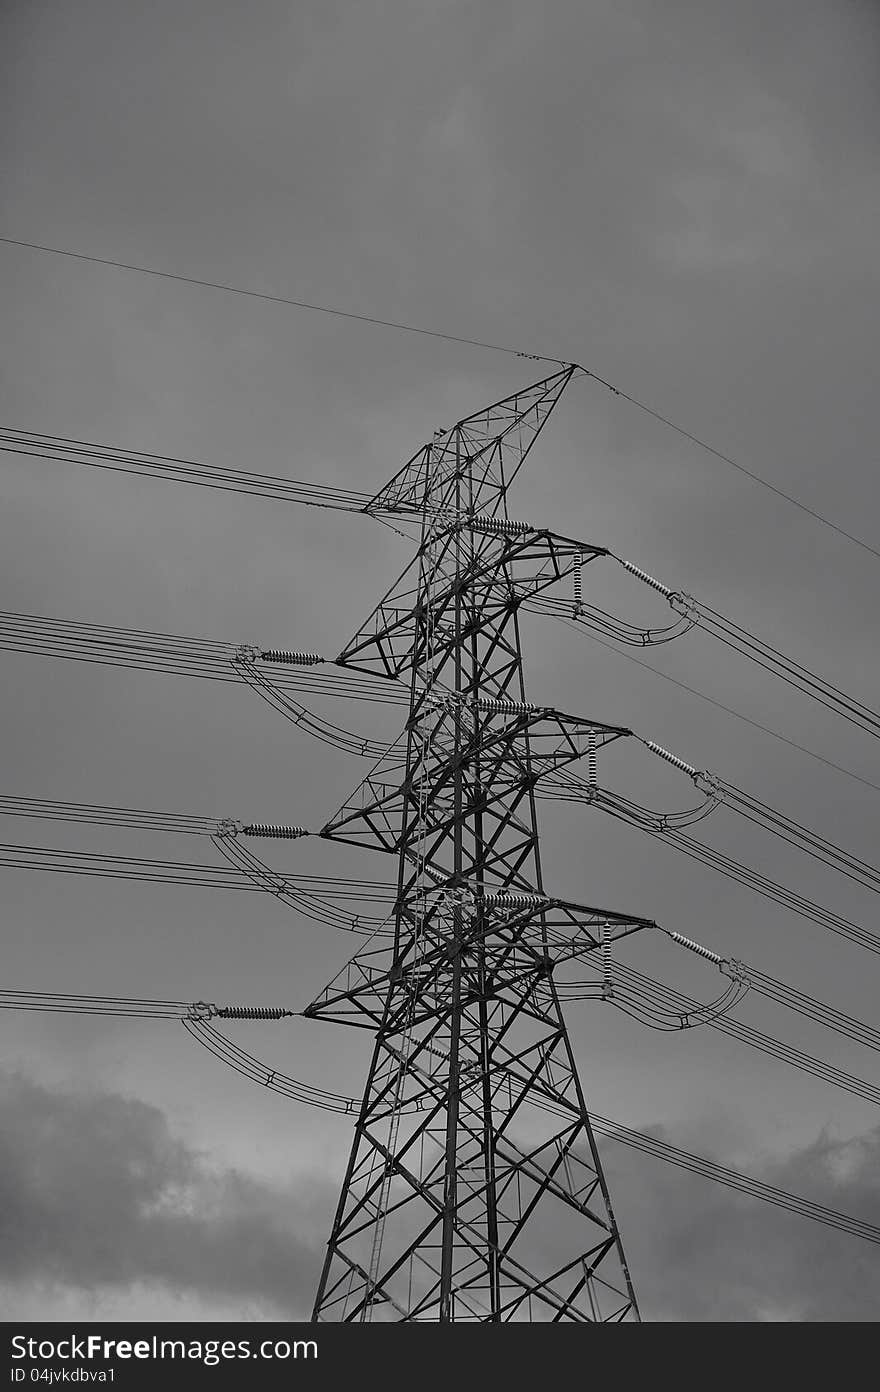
{"points": [[99, 1197], [683, 197], [96, 1192], [701, 1252]]}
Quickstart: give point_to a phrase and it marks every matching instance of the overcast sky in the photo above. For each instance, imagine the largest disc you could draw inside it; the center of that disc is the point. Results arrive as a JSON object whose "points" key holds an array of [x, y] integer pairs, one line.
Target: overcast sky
{"points": [[684, 197]]}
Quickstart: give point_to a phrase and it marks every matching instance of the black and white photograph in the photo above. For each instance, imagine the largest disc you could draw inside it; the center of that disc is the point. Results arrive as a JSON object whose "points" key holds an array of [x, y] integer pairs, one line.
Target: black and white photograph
{"points": [[439, 550]]}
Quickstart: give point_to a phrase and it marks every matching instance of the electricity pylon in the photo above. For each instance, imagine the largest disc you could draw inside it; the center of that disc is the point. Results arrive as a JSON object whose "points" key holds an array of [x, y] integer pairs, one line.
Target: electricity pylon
{"points": [[474, 1189]]}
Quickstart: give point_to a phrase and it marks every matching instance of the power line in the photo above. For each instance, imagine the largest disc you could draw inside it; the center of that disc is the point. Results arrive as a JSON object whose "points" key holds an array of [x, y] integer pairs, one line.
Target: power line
{"points": [[134, 1007], [196, 1015], [726, 459], [90, 454], [733, 1179], [402, 993], [469, 342], [160, 871], [317, 897], [655, 995], [296, 891], [793, 673], [262, 875], [192, 472], [56, 810], [179, 655], [819, 1011], [256, 1071], [619, 988], [282, 299], [189, 471], [794, 834], [719, 793], [738, 715], [661, 827], [266, 486], [307, 898], [693, 612]]}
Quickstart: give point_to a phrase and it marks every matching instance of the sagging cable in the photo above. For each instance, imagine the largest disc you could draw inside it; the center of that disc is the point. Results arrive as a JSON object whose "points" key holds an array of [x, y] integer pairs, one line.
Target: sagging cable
{"points": [[567, 787], [768, 819], [292, 1088], [782, 994], [608, 625], [667, 830], [763, 654], [309, 904], [654, 1016], [298, 714]]}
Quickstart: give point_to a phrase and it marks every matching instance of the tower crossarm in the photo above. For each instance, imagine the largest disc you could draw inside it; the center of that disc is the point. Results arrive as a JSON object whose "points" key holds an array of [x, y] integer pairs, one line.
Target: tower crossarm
{"points": [[494, 752], [527, 936], [502, 572]]}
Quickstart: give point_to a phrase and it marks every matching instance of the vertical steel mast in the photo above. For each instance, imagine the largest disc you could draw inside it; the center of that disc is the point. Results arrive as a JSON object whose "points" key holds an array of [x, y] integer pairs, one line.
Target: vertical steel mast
{"points": [[474, 1190]]}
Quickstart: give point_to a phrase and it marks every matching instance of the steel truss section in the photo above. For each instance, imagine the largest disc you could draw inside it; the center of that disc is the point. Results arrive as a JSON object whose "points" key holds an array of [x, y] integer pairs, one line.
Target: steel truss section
{"points": [[474, 1189]]}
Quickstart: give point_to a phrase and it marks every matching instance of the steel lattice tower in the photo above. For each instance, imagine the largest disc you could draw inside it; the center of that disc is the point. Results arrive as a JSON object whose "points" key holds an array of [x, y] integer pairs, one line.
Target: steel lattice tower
{"points": [[474, 1189]]}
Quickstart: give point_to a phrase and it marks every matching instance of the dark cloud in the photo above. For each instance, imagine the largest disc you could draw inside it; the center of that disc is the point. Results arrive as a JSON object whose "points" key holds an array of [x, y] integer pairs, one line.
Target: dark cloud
{"points": [[98, 1196], [96, 1192], [700, 1252], [682, 197]]}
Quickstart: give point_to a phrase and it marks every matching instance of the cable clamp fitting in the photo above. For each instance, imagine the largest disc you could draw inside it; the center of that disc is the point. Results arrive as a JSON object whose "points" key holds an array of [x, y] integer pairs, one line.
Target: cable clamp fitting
{"points": [[707, 783], [684, 604], [228, 826], [201, 1010], [737, 971]]}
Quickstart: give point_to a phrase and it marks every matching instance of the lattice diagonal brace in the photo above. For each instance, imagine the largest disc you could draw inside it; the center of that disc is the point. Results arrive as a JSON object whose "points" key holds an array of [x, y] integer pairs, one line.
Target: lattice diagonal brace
{"points": [[474, 1190]]}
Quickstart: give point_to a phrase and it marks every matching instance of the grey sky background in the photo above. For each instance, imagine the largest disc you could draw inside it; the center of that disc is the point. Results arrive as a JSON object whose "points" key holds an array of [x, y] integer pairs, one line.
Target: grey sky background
{"points": [[683, 197]]}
